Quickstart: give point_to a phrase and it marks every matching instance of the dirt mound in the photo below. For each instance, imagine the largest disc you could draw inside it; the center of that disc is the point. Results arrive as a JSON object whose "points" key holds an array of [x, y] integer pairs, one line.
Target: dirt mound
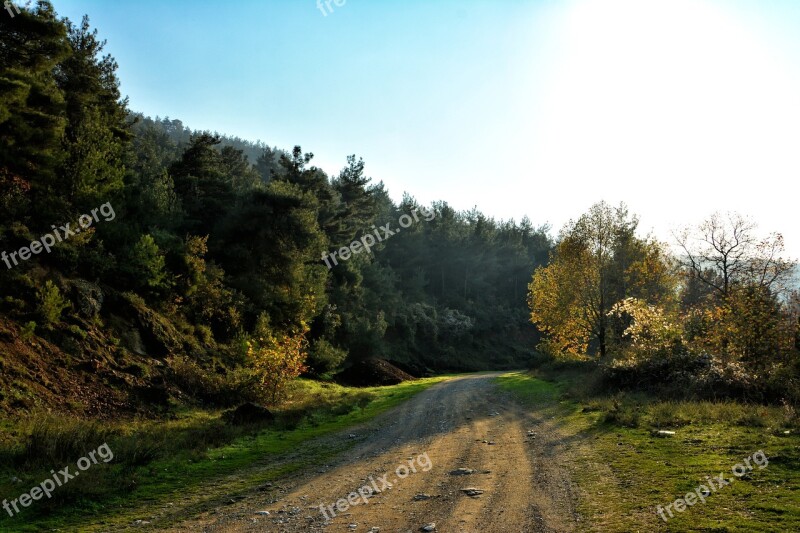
{"points": [[372, 373], [248, 413]]}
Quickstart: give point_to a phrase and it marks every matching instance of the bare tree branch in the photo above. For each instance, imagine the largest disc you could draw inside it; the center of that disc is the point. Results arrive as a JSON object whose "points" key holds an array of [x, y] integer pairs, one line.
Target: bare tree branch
{"points": [[724, 252]]}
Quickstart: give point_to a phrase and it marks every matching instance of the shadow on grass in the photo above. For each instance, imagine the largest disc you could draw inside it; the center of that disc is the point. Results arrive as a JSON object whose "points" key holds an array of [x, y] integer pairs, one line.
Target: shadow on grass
{"points": [[154, 459]]}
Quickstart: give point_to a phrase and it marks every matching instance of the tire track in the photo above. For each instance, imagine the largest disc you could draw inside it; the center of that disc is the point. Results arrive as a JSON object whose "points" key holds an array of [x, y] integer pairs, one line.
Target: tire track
{"points": [[462, 423]]}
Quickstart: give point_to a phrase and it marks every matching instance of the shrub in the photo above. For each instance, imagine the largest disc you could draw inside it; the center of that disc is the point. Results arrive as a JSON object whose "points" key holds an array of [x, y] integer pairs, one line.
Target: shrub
{"points": [[276, 359], [644, 328], [205, 335], [77, 332], [51, 303], [323, 357], [146, 266], [28, 330], [623, 412], [227, 389]]}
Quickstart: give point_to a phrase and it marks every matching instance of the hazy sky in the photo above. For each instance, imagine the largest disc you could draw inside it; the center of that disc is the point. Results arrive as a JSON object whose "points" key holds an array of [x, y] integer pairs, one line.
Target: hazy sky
{"points": [[539, 108]]}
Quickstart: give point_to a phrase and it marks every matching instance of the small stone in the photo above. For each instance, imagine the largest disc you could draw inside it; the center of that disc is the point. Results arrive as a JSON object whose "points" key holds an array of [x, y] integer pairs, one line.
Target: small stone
{"points": [[472, 491], [663, 433], [462, 472], [264, 513], [429, 527], [422, 497]]}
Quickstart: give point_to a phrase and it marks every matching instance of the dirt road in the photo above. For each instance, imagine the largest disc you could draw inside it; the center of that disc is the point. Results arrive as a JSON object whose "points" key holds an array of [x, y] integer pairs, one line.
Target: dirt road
{"points": [[417, 460]]}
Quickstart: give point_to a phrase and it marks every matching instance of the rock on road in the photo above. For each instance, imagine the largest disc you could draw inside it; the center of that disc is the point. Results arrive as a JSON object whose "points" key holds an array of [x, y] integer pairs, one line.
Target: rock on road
{"points": [[460, 434]]}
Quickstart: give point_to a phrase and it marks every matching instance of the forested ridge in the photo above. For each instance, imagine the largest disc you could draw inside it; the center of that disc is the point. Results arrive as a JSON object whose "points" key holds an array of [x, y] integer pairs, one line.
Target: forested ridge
{"points": [[214, 259], [207, 265]]}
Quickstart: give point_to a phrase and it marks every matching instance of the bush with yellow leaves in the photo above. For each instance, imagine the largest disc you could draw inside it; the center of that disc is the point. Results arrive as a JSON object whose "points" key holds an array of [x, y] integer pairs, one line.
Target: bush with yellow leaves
{"points": [[277, 358]]}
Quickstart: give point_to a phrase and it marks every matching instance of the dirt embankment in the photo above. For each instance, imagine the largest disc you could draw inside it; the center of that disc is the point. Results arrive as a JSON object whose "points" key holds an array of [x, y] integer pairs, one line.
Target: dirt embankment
{"points": [[373, 373]]}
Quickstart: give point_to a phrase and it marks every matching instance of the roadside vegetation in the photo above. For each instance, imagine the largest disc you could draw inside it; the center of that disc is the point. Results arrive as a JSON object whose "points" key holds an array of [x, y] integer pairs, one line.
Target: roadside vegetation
{"points": [[194, 457], [718, 318], [624, 469], [668, 365]]}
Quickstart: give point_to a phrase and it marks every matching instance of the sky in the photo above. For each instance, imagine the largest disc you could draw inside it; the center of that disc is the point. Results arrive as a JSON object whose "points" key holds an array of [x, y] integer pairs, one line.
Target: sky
{"points": [[679, 108]]}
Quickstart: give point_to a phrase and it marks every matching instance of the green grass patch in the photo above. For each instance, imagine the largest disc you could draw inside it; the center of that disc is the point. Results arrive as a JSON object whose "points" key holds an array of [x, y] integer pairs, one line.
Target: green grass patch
{"points": [[623, 470], [195, 458]]}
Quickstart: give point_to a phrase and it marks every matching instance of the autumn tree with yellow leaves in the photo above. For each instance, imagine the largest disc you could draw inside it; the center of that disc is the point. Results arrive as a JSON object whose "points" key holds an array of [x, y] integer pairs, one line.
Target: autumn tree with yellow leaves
{"points": [[717, 318], [598, 261]]}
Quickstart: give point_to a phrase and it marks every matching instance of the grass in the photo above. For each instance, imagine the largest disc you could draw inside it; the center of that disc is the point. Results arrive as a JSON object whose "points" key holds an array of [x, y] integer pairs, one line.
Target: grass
{"points": [[194, 458], [623, 471]]}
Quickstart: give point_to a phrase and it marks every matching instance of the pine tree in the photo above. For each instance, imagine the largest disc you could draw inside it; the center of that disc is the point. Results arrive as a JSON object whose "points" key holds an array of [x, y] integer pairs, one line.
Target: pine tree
{"points": [[97, 132]]}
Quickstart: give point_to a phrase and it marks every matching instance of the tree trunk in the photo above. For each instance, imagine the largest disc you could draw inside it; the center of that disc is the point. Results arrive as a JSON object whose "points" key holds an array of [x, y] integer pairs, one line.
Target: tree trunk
{"points": [[601, 337], [601, 334]]}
